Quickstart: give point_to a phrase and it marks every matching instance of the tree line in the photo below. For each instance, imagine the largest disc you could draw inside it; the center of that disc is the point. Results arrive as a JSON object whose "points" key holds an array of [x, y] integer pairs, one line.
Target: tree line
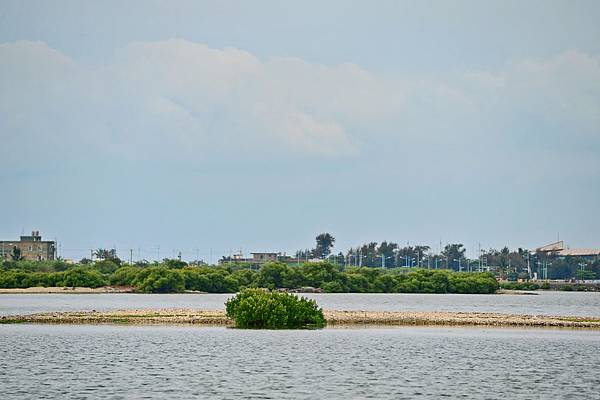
{"points": [[505, 263], [176, 276]]}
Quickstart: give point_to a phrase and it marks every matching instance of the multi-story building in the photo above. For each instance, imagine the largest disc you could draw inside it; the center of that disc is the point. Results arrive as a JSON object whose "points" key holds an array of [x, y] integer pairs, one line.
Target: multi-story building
{"points": [[258, 258], [32, 248], [558, 249]]}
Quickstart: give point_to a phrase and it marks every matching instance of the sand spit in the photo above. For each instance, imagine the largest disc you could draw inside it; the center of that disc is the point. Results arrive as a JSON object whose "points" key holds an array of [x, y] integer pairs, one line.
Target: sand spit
{"points": [[69, 290], [334, 318], [457, 319]]}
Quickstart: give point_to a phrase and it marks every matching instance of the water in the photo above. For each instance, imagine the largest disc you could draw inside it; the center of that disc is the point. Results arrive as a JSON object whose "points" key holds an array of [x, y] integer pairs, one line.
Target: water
{"points": [[545, 303], [125, 362]]}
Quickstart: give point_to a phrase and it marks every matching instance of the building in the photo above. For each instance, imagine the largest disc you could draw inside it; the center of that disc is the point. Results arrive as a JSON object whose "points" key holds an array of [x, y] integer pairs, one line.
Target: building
{"points": [[258, 258], [264, 257], [558, 249], [32, 248]]}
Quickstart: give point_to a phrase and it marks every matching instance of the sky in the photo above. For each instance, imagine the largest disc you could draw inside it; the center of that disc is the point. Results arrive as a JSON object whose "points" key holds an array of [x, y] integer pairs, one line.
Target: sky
{"points": [[207, 127]]}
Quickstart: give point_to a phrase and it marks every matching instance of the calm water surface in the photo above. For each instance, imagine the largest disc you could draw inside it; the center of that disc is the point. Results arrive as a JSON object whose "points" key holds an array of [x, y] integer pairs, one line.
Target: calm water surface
{"points": [[125, 362], [545, 303]]}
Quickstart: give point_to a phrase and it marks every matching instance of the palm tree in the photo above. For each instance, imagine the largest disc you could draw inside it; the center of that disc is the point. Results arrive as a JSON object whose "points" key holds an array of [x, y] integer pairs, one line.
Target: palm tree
{"points": [[103, 254]]}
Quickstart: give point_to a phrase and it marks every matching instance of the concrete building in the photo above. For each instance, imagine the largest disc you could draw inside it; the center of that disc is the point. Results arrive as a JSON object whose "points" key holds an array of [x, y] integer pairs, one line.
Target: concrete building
{"points": [[560, 250], [32, 248], [258, 258], [264, 257]]}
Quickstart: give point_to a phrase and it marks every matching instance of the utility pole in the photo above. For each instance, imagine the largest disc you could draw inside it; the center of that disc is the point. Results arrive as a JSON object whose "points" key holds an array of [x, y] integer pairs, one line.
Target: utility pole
{"points": [[581, 271], [459, 265], [546, 263], [130, 256]]}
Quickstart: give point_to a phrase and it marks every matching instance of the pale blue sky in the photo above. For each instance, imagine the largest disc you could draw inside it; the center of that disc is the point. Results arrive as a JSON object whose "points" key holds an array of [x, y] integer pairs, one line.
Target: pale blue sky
{"points": [[199, 125]]}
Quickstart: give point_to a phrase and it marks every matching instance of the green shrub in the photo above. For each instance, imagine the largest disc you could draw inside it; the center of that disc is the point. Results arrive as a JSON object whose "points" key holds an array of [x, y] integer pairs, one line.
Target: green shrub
{"points": [[161, 280], [333, 287], [78, 277], [124, 276], [106, 266], [261, 309]]}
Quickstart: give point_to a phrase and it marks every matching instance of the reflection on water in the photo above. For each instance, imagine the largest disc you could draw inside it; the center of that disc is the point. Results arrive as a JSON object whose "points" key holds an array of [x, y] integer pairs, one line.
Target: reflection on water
{"points": [[183, 362], [545, 303]]}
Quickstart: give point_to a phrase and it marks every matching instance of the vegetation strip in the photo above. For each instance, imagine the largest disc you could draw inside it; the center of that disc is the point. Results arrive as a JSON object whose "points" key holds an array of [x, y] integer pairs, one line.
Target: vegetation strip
{"points": [[177, 277], [333, 318]]}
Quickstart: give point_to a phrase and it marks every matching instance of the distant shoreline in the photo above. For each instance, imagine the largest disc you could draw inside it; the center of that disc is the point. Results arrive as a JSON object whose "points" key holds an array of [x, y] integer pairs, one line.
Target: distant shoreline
{"points": [[68, 290], [334, 318], [131, 289]]}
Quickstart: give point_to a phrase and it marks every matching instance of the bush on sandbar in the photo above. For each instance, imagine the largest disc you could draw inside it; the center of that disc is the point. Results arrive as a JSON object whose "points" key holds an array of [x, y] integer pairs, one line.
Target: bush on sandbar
{"points": [[262, 309]]}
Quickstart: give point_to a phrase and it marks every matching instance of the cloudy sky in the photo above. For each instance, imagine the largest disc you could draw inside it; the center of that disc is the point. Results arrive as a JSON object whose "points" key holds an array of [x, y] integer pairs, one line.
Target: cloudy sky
{"points": [[199, 125]]}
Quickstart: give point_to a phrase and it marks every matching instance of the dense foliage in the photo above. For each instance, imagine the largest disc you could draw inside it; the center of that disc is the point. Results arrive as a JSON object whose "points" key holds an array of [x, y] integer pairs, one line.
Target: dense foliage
{"points": [[169, 277], [262, 309]]}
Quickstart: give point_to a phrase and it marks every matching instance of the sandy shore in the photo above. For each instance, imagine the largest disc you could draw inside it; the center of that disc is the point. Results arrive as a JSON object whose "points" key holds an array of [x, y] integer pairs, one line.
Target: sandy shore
{"points": [[68, 290], [334, 318]]}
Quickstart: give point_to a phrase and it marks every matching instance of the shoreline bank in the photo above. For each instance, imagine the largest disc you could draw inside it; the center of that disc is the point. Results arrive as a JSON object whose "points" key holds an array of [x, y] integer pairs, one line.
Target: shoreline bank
{"points": [[333, 317], [68, 290], [131, 289]]}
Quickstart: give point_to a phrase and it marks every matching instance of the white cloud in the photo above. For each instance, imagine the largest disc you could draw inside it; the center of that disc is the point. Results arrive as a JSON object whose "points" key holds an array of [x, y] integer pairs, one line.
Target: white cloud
{"points": [[176, 98], [564, 89]]}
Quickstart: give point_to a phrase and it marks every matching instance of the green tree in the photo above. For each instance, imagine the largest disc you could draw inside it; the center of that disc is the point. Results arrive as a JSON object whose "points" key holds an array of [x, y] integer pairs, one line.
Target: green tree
{"points": [[15, 255], [324, 245], [388, 251], [272, 276], [452, 252], [174, 263], [104, 254]]}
